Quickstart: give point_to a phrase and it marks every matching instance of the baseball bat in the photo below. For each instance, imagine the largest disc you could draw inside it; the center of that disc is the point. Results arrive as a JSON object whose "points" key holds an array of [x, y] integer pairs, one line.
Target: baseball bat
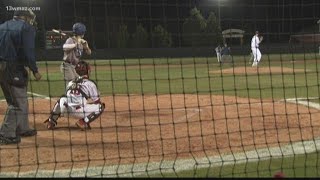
{"points": [[64, 34], [59, 32]]}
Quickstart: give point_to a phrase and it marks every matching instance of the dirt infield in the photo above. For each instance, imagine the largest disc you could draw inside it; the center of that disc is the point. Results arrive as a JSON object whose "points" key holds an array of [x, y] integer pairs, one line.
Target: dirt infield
{"points": [[149, 128]]}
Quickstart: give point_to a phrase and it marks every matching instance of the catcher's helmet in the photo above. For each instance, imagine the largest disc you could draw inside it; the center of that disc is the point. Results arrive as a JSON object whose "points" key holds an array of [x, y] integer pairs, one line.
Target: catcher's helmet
{"points": [[83, 68], [79, 29]]}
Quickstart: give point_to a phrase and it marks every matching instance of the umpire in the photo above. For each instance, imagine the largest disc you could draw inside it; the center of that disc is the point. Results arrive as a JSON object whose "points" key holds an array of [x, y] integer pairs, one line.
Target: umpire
{"points": [[17, 43]]}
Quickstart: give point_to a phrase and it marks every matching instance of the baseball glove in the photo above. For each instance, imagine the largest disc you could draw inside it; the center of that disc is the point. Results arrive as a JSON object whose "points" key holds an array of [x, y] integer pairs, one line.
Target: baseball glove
{"points": [[261, 38]]}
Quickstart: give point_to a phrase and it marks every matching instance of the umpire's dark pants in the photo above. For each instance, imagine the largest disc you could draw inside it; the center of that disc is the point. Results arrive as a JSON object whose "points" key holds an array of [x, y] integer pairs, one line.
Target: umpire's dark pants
{"points": [[16, 118]]}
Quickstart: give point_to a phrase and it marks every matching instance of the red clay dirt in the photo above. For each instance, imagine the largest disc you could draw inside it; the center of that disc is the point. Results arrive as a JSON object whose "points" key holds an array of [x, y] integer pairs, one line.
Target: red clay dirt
{"points": [[149, 128]]}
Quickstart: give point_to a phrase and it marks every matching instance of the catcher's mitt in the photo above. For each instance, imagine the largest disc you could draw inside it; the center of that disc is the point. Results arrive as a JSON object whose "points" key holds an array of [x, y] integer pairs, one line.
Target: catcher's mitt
{"points": [[261, 38]]}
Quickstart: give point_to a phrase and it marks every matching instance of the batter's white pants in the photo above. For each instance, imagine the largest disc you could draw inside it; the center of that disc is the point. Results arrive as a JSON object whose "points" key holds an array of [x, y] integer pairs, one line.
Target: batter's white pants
{"points": [[256, 55], [69, 72], [78, 111]]}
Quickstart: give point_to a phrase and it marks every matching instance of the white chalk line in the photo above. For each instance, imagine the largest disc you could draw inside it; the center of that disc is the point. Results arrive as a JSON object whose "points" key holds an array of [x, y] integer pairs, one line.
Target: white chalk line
{"points": [[38, 95], [34, 95], [141, 169], [305, 103], [194, 111]]}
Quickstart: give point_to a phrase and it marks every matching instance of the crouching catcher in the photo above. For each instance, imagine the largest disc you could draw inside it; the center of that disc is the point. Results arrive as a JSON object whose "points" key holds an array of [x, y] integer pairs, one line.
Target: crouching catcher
{"points": [[81, 100]]}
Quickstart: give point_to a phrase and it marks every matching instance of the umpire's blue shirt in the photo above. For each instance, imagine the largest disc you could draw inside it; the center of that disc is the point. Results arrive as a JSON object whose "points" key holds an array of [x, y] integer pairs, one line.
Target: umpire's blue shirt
{"points": [[17, 43]]}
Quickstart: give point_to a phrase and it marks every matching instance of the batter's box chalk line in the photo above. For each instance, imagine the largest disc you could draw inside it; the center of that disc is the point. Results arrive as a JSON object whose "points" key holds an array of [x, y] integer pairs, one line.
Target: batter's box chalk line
{"points": [[189, 113], [34, 95]]}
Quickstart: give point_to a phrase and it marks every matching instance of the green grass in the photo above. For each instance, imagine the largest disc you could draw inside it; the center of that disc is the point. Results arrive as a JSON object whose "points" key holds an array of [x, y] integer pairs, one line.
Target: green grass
{"points": [[296, 166], [192, 75]]}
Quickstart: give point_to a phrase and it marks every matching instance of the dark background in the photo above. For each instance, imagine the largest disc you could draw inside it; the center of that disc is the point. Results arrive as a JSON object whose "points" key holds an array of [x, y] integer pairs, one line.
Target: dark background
{"points": [[276, 19]]}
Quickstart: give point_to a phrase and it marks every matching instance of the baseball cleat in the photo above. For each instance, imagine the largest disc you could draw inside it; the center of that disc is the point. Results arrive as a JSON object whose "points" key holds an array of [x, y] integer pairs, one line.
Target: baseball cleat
{"points": [[9, 140], [50, 124], [31, 132], [83, 125]]}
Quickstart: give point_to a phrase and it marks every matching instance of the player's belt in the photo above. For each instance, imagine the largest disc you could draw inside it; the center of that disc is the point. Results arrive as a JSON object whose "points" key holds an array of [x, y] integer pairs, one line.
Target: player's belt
{"points": [[76, 107], [68, 62]]}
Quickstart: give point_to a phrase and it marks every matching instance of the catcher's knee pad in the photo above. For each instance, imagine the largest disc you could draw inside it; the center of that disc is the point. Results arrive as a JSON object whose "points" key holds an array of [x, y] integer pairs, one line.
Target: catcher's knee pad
{"points": [[63, 105], [94, 115]]}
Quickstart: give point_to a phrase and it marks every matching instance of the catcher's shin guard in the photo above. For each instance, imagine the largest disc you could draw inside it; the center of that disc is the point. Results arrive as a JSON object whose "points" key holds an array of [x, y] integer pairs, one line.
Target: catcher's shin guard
{"points": [[56, 110], [84, 124], [51, 122], [93, 116]]}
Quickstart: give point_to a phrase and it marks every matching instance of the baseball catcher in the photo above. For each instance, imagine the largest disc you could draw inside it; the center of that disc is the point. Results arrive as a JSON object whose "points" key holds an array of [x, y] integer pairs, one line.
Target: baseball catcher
{"points": [[81, 100]]}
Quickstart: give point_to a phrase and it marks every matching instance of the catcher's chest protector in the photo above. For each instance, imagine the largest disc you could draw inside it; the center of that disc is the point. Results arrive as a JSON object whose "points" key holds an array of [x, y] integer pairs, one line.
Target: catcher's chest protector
{"points": [[75, 88]]}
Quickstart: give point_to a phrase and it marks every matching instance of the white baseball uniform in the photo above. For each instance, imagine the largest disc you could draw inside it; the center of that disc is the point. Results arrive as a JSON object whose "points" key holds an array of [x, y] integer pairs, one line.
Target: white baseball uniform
{"points": [[75, 102], [218, 52], [255, 50], [73, 51]]}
